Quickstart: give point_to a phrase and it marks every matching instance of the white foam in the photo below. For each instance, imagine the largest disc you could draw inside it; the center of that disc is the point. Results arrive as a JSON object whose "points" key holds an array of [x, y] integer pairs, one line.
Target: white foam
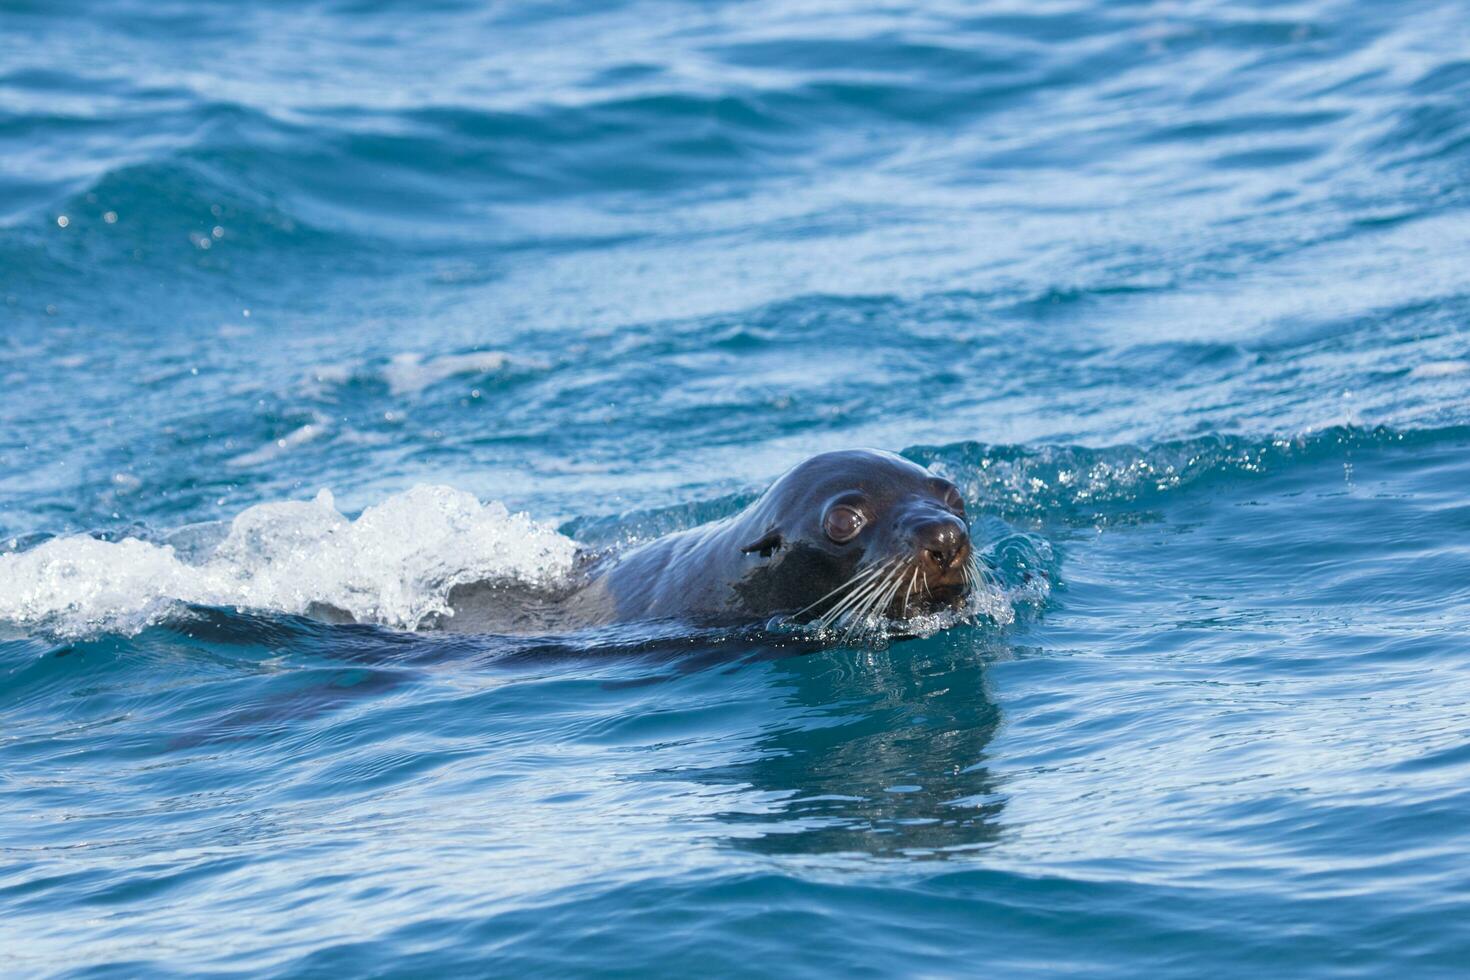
{"points": [[394, 565], [1439, 369], [309, 432], [409, 374]]}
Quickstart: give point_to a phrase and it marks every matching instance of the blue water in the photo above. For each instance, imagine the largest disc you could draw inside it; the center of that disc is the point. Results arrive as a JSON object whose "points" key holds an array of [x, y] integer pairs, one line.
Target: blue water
{"points": [[1177, 292]]}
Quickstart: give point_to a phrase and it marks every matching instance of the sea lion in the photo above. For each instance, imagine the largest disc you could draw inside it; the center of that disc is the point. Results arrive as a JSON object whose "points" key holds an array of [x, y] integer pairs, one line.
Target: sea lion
{"points": [[838, 539]]}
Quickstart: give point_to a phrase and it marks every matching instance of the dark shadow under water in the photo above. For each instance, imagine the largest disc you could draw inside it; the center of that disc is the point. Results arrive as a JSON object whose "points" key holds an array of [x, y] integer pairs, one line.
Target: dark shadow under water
{"points": [[877, 751], [880, 753]]}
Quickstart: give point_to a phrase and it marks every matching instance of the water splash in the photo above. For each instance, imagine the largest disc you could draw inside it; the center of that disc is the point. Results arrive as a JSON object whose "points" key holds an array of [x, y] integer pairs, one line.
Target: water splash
{"points": [[394, 565]]}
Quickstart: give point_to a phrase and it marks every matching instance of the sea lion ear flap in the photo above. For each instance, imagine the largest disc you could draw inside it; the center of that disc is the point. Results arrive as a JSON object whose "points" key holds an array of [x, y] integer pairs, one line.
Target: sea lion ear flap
{"points": [[765, 544]]}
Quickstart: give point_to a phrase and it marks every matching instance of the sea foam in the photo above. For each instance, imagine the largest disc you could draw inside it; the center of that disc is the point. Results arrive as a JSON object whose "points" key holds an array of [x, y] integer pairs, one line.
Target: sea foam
{"points": [[393, 565]]}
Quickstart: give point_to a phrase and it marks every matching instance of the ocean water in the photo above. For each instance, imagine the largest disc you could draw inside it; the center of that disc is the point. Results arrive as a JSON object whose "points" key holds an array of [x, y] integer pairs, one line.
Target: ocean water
{"points": [[347, 301]]}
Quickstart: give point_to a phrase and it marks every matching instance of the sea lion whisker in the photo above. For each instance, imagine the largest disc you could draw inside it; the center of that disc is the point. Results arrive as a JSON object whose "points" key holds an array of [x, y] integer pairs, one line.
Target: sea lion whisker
{"points": [[878, 599], [851, 589], [903, 607], [881, 606], [875, 606], [984, 573], [855, 617], [859, 603], [857, 596], [853, 596], [864, 573]]}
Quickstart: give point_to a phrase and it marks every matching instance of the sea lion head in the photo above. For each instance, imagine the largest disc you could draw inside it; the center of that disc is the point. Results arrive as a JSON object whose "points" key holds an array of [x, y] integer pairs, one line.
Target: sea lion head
{"points": [[846, 535]]}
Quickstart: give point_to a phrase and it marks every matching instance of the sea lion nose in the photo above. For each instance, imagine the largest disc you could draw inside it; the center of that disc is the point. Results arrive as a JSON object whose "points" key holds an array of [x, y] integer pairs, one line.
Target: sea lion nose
{"points": [[942, 543]]}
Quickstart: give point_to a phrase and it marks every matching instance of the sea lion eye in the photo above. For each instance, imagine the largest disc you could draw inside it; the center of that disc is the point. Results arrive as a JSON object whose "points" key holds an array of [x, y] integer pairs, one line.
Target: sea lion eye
{"points": [[843, 523]]}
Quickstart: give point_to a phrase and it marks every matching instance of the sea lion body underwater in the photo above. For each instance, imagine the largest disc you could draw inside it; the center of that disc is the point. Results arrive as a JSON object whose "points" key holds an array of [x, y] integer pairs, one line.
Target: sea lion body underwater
{"points": [[837, 539]]}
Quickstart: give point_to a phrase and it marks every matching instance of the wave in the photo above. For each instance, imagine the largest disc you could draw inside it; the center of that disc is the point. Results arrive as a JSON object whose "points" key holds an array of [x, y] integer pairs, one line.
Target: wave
{"points": [[394, 565], [1079, 484], [410, 373]]}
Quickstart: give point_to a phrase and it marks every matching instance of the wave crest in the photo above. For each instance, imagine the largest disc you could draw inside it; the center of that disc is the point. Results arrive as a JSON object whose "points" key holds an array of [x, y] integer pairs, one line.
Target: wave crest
{"points": [[1076, 483], [394, 565]]}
